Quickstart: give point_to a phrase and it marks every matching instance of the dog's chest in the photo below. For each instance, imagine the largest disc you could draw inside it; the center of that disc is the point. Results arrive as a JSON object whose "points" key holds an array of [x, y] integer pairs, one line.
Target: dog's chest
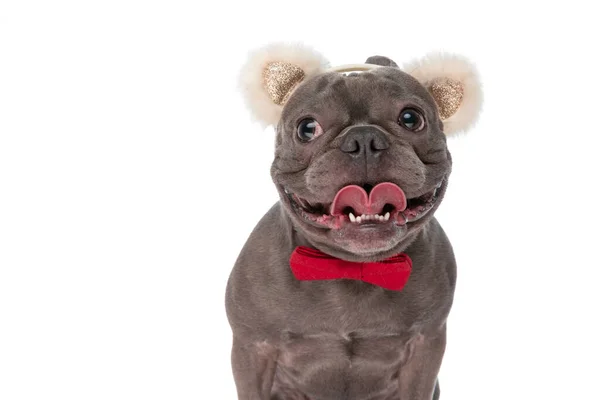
{"points": [[323, 365], [353, 345]]}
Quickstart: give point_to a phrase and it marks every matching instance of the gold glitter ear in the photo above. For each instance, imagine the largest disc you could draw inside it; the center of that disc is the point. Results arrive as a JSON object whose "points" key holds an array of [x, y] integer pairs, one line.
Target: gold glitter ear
{"points": [[280, 78], [448, 95]]}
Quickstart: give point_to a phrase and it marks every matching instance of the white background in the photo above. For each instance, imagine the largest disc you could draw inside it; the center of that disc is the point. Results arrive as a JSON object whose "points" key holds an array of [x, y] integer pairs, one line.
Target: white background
{"points": [[131, 175]]}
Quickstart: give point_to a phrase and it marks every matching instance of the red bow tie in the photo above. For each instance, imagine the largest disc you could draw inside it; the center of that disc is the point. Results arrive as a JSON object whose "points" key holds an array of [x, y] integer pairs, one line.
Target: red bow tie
{"points": [[311, 264]]}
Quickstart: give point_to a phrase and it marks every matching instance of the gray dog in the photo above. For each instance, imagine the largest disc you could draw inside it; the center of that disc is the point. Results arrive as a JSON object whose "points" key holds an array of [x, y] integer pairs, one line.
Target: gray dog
{"points": [[343, 289]]}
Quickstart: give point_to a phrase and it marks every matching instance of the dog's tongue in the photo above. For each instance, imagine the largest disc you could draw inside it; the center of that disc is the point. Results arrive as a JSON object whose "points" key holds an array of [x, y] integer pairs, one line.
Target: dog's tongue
{"points": [[356, 197]]}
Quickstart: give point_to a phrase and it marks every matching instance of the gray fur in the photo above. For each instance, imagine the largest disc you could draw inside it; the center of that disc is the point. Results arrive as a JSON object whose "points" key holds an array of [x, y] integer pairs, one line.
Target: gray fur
{"points": [[381, 60], [345, 340]]}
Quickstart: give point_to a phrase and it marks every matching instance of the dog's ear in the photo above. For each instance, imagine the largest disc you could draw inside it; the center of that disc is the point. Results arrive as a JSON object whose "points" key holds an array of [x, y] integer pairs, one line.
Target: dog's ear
{"points": [[381, 60], [454, 84], [272, 73]]}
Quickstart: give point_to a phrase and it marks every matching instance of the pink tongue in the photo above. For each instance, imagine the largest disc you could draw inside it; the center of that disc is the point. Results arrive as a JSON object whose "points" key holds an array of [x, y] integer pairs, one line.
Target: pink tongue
{"points": [[356, 197]]}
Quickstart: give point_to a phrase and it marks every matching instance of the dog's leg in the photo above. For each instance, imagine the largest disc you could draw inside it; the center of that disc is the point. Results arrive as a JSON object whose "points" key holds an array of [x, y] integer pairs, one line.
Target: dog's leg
{"points": [[418, 376], [253, 369]]}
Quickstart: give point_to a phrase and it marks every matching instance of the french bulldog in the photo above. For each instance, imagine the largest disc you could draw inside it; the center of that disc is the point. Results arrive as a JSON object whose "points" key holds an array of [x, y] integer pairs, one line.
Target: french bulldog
{"points": [[361, 165]]}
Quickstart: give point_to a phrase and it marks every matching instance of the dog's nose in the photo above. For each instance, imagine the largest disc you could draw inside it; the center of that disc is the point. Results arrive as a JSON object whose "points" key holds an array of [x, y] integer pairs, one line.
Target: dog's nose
{"points": [[364, 141]]}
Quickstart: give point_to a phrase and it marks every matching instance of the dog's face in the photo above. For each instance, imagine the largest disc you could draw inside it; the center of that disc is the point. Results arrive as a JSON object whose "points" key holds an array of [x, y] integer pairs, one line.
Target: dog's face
{"points": [[361, 161], [361, 129]]}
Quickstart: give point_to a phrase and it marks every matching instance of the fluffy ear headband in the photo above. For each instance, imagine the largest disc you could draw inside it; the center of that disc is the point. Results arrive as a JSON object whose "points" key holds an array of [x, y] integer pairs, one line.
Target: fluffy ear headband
{"points": [[272, 73]]}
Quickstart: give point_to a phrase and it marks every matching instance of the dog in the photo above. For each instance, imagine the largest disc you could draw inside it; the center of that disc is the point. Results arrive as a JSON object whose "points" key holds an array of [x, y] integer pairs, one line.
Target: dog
{"points": [[343, 289]]}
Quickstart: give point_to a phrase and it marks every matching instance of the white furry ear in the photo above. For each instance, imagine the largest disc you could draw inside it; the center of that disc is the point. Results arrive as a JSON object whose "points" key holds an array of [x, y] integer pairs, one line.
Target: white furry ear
{"points": [[272, 73], [454, 84]]}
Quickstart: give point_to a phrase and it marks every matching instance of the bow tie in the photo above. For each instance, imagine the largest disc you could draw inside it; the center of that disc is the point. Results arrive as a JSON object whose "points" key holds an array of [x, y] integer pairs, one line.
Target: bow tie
{"points": [[312, 265]]}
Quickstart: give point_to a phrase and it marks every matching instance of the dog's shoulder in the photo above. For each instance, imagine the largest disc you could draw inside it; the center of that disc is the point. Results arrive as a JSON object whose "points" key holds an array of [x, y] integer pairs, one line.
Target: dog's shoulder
{"points": [[434, 264], [257, 276]]}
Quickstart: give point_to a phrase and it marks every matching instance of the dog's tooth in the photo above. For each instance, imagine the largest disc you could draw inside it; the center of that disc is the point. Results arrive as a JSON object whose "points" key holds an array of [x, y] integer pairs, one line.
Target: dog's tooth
{"points": [[352, 217], [359, 219], [386, 216], [404, 218]]}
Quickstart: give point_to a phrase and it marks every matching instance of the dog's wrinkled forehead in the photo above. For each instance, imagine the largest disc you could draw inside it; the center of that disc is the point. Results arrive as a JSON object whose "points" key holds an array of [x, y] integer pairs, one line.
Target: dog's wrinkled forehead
{"points": [[365, 93], [446, 84]]}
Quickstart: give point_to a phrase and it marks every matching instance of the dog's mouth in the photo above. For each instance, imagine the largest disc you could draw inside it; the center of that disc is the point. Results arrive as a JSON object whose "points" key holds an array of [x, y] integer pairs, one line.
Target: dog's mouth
{"points": [[366, 205]]}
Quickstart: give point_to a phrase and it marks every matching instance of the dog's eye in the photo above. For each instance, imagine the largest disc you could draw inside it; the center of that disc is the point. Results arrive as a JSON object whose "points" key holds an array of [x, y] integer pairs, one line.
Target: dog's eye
{"points": [[411, 119], [308, 129]]}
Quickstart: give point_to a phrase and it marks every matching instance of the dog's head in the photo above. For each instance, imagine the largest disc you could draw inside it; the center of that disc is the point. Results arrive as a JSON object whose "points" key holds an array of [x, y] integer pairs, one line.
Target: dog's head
{"points": [[361, 162]]}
